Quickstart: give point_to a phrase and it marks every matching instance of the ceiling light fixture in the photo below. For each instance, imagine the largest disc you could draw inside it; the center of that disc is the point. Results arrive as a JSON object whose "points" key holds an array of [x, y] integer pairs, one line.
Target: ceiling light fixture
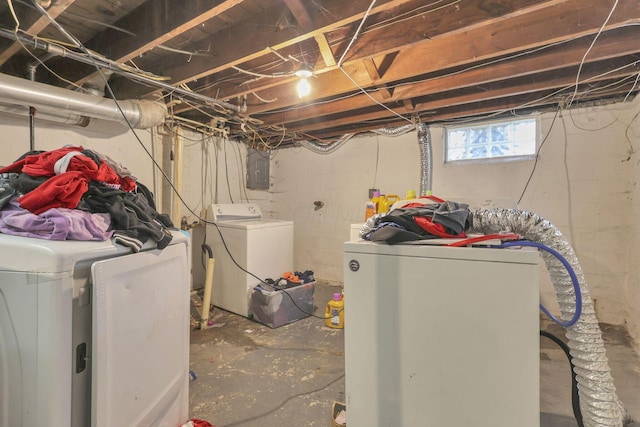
{"points": [[303, 87]]}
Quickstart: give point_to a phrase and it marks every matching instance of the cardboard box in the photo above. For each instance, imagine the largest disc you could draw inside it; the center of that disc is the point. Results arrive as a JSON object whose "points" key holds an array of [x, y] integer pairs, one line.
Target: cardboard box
{"points": [[277, 308], [337, 407]]}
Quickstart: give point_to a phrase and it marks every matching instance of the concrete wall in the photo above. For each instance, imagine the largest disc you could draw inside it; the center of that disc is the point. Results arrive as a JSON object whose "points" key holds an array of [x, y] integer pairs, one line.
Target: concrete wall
{"points": [[584, 183], [111, 139]]}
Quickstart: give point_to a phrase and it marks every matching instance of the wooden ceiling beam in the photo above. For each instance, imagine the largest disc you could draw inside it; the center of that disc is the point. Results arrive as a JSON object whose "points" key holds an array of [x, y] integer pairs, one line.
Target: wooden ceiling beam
{"points": [[300, 13], [558, 80], [480, 109], [161, 25], [325, 50], [544, 26], [388, 38], [336, 13], [610, 45], [34, 23]]}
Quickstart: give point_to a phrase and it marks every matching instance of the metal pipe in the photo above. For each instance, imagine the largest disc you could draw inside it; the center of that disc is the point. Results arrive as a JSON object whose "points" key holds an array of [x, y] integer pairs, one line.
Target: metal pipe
{"points": [[114, 67], [140, 114], [56, 117], [32, 128]]}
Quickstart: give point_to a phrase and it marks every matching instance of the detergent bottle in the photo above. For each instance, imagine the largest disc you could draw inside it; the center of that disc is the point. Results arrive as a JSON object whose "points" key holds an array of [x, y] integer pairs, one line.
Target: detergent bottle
{"points": [[387, 201], [373, 206], [369, 210], [334, 314]]}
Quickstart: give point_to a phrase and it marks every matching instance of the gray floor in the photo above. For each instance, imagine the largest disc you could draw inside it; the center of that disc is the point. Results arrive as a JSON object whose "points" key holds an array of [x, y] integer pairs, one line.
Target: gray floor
{"points": [[250, 375]]}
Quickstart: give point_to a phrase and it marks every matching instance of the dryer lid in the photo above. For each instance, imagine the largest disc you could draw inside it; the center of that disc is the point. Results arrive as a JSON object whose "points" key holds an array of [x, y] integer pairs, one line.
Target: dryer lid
{"points": [[234, 212]]}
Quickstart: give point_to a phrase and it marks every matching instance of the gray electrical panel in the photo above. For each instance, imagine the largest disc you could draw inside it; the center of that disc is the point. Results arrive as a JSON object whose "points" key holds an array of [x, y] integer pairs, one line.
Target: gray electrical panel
{"points": [[257, 169]]}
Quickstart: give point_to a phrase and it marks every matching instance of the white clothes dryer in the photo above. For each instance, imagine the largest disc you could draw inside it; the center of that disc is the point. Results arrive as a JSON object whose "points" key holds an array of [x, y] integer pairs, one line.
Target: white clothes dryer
{"points": [[93, 335]]}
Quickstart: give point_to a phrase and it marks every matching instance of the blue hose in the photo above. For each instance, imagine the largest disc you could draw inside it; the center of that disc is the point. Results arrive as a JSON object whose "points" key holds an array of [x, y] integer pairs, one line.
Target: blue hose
{"points": [[572, 274]]}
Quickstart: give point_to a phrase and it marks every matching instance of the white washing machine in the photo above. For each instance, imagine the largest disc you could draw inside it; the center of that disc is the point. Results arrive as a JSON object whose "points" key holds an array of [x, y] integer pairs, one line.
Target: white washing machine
{"points": [[261, 247], [441, 336], [93, 335]]}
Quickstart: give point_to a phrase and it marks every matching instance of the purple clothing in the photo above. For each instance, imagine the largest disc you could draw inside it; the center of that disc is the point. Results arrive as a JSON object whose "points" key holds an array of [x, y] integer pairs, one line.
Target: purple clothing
{"points": [[54, 224]]}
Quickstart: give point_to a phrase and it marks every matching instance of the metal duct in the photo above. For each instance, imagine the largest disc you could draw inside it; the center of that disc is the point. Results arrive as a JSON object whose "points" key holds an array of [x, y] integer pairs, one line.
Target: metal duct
{"points": [[141, 114], [599, 403], [426, 159], [395, 131], [326, 148], [112, 66], [58, 117]]}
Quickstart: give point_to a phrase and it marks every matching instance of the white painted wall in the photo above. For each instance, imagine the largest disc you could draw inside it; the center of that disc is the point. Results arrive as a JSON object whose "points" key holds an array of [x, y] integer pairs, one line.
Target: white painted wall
{"points": [[113, 140], [585, 183]]}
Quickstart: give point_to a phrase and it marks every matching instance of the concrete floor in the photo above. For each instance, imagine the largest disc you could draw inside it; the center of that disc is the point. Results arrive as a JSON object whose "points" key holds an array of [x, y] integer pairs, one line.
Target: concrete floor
{"points": [[250, 375]]}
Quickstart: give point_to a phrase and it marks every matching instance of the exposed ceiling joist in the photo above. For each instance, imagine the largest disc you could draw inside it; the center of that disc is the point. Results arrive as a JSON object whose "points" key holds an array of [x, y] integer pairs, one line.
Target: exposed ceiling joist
{"points": [[400, 60]]}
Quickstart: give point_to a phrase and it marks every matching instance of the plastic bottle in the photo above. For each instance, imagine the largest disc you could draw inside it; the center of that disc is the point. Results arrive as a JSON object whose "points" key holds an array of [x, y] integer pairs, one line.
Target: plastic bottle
{"points": [[369, 210], [387, 201], [334, 314], [376, 202]]}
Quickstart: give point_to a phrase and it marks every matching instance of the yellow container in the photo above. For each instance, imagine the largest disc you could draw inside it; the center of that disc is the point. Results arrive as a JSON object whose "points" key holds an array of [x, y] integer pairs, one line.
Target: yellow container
{"points": [[387, 201], [334, 314]]}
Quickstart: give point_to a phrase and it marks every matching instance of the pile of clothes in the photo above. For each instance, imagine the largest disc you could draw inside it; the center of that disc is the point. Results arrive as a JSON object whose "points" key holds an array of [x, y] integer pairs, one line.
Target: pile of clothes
{"points": [[419, 221], [74, 193], [288, 280]]}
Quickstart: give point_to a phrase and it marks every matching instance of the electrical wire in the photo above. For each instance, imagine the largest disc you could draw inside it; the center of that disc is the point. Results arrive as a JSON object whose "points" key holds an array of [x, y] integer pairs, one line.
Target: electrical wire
{"points": [[572, 274], [284, 402], [153, 160], [575, 396], [535, 163], [615, 4], [14, 16], [226, 168]]}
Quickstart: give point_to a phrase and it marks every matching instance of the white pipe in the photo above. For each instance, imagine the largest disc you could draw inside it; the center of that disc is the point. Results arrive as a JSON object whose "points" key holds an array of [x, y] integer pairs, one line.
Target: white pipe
{"points": [[178, 152], [141, 114]]}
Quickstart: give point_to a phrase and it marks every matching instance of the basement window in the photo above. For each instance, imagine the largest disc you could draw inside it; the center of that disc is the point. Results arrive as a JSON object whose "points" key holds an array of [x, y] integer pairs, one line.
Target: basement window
{"points": [[500, 139]]}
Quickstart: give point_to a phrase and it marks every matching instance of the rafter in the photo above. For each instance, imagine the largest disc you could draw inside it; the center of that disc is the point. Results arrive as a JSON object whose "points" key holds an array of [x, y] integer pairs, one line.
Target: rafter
{"points": [[611, 44], [542, 27], [553, 81], [337, 13], [158, 30], [35, 23]]}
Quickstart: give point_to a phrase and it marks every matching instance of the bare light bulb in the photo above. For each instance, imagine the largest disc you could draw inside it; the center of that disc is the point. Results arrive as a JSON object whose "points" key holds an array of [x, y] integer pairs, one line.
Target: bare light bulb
{"points": [[303, 88]]}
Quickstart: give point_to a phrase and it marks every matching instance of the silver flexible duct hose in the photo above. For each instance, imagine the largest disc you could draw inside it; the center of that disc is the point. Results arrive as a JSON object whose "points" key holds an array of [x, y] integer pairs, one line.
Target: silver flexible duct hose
{"points": [[599, 403], [326, 148], [395, 131], [426, 161]]}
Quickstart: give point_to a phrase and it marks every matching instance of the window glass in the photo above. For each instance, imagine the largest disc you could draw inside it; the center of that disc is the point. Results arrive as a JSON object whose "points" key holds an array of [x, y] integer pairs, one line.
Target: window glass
{"points": [[491, 140]]}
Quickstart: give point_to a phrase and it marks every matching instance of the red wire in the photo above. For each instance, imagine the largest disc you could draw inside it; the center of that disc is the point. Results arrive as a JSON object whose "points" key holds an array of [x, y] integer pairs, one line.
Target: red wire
{"points": [[471, 240]]}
